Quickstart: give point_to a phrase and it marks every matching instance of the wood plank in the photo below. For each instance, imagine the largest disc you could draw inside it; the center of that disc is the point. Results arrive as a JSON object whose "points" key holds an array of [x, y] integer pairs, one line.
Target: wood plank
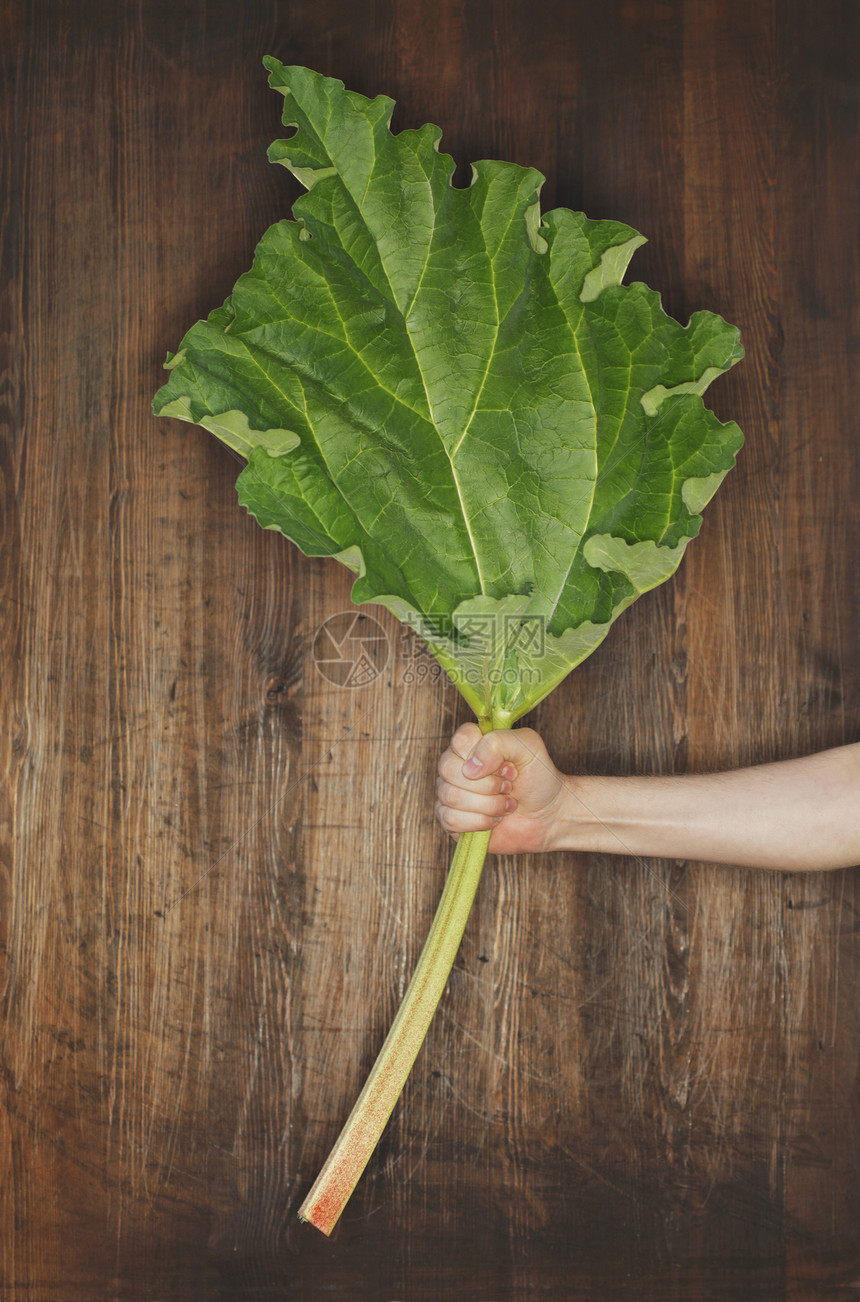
{"points": [[736, 963], [819, 266]]}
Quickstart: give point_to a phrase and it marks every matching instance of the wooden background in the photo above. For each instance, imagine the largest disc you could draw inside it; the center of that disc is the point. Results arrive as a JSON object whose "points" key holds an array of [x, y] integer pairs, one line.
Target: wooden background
{"points": [[217, 868]]}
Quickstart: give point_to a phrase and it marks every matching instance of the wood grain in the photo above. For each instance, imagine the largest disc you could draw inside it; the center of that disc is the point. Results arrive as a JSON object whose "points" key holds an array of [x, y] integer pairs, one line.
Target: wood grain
{"points": [[217, 865]]}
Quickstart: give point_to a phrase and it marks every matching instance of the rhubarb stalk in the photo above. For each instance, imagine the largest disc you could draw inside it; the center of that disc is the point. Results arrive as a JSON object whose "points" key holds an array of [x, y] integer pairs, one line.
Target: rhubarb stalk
{"points": [[363, 1129]]}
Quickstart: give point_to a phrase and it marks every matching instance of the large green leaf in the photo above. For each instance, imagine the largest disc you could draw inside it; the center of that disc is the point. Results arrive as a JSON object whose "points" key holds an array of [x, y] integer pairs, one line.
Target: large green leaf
{"points": [[458, 398]]}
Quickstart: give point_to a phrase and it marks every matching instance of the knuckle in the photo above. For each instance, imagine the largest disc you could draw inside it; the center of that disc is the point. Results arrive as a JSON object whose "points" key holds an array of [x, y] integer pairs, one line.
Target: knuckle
{"points": [[489, 746], [449, 795], [443, 813], [530, 739], [464, 739]]}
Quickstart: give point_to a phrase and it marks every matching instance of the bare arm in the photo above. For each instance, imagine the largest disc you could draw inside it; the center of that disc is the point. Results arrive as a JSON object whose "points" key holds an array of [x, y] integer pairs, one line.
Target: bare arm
{"points": [[796, 815]]}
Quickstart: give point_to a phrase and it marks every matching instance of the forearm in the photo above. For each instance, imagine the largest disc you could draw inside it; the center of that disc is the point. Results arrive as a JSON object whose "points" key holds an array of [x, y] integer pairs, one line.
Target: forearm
{"points": [[794, 816]]}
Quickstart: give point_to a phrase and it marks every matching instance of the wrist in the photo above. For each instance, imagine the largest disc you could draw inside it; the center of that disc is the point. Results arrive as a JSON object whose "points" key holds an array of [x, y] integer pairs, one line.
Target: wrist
{"points": [[616, 815], [582, 814]]}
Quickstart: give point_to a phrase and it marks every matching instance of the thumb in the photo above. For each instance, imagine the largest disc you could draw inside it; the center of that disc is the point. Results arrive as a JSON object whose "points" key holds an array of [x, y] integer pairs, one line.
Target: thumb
{"points": [[487, 753]]}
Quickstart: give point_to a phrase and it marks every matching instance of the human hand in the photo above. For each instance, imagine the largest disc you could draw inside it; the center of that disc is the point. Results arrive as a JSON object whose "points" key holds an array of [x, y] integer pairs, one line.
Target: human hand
{"points": [[517, 790]]}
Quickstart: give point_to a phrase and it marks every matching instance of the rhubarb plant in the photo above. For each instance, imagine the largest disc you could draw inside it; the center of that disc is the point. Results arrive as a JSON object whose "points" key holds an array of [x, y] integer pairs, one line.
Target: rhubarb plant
{"points": [[455, 396]]}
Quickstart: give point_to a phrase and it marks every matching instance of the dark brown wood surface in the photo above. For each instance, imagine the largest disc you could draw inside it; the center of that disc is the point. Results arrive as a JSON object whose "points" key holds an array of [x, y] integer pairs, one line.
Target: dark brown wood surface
{"points": [[217, 868]]}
